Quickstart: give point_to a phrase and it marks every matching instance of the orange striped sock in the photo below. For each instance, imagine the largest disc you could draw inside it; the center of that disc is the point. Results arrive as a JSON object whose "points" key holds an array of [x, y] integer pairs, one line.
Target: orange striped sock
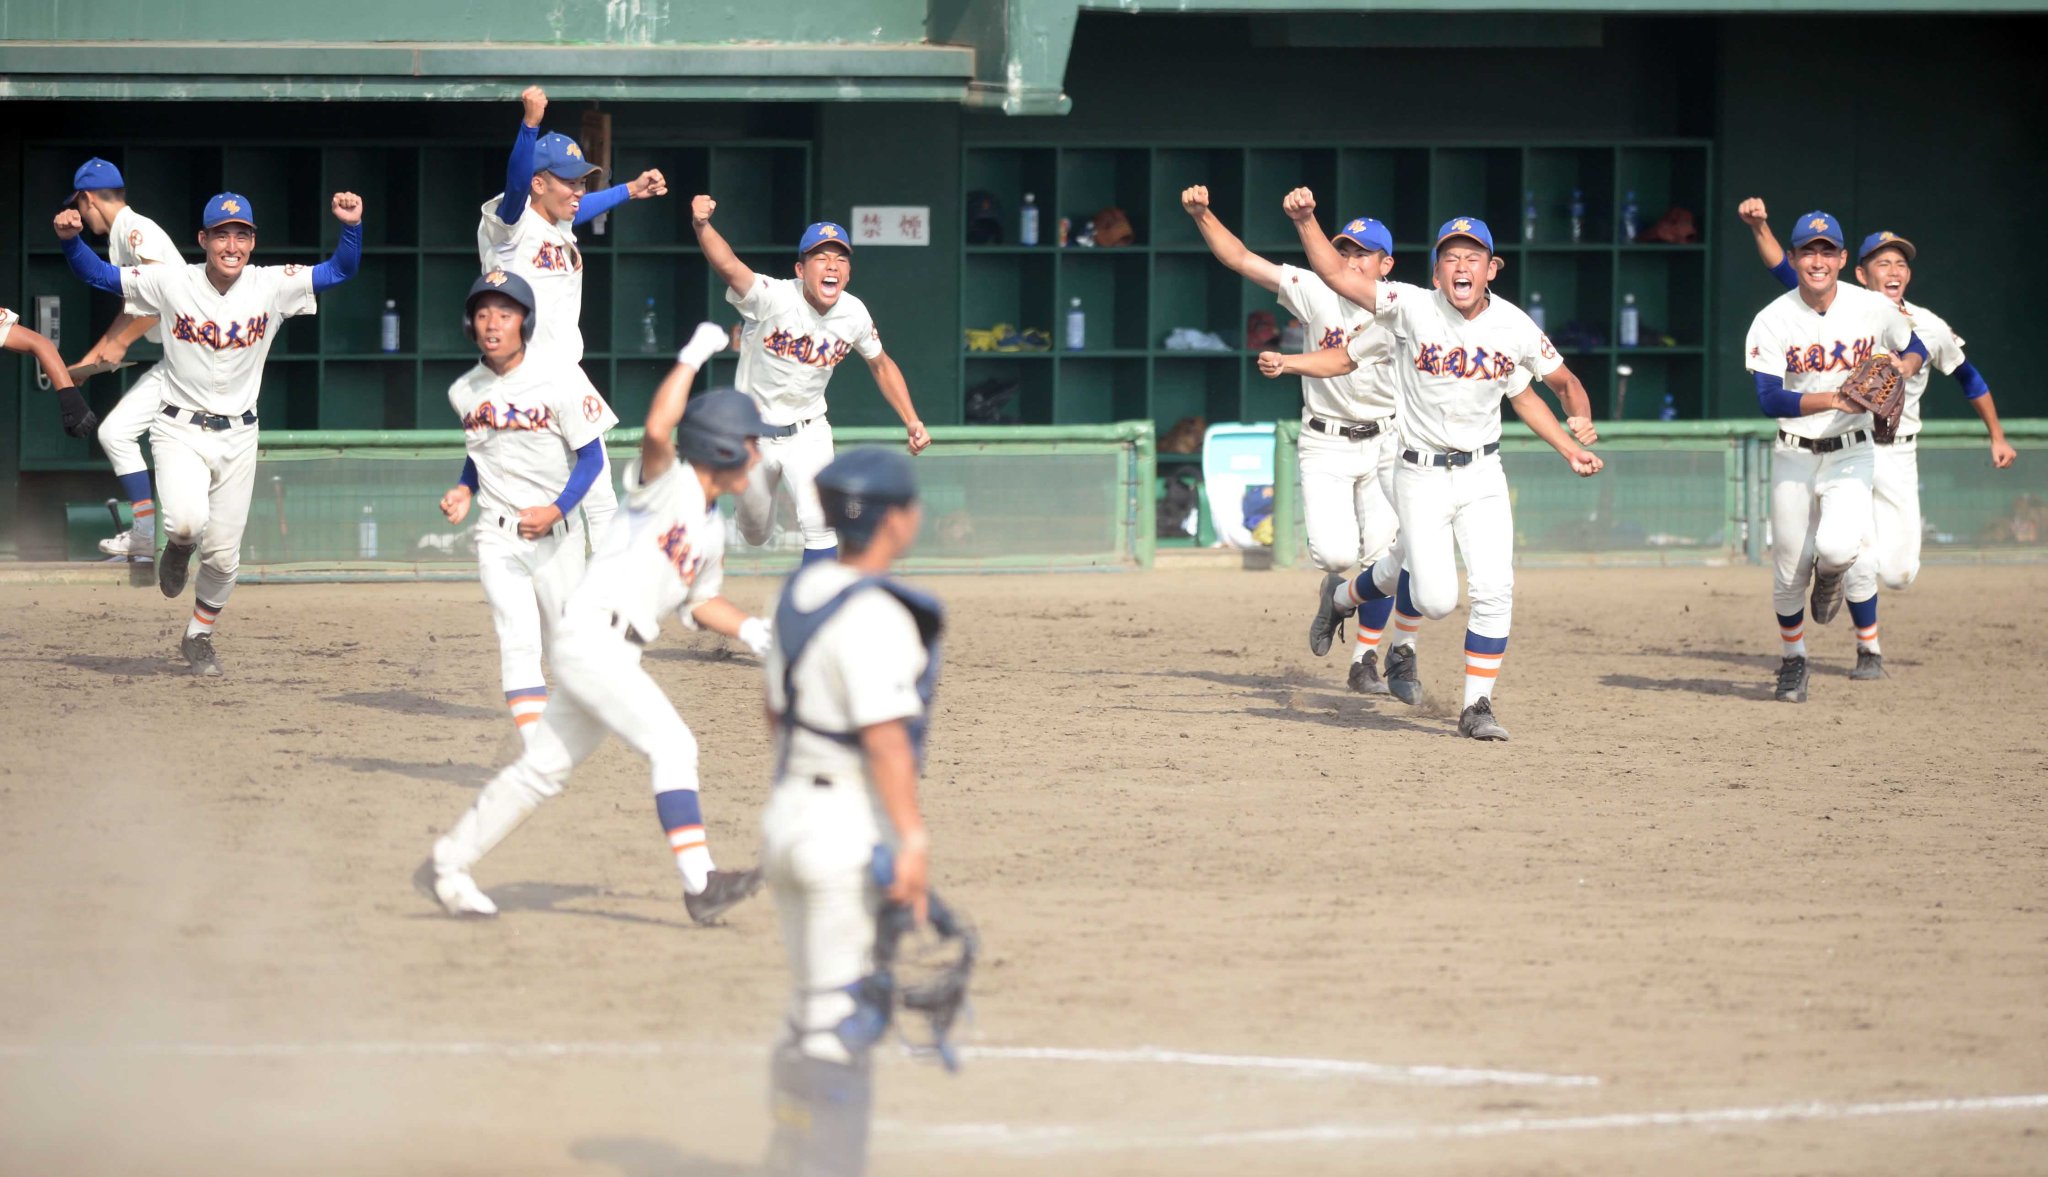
{"points": [[1866, 638], [203, 617], [1792, 632], [145, 516], [1406, 627], [526, 705], [1483, 657]]}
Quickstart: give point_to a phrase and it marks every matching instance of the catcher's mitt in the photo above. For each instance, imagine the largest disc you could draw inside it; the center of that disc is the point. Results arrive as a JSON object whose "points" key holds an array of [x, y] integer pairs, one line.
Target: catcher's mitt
{"points": [[1878, 387]]}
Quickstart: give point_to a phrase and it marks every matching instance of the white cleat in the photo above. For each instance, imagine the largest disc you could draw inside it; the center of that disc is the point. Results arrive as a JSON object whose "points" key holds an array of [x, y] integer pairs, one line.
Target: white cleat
{"points": [[131, 544]]}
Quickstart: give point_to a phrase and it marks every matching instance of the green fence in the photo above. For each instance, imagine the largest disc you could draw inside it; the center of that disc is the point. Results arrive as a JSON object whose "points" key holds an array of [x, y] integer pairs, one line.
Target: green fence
{"points": [[365, 504]]}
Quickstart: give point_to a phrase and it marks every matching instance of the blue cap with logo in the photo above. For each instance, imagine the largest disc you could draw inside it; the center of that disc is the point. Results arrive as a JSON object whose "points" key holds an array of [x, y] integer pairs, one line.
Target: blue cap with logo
{"points": [[558, 154], [1817, 226], [1468, 227], [94, 175], [228, 208], [1885, 239], [823, 233], [1367, 234]]}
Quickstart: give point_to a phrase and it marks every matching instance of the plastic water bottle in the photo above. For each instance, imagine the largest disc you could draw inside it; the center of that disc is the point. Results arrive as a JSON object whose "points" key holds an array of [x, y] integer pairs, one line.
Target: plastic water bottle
{"points": [[1536, 309], [649, 342], [366, 534], [1077, 327], [1670, 410], [1631, 321], [1027, 221], [1528, 216], [390, 324], [1578, 216], [1631, 218]]}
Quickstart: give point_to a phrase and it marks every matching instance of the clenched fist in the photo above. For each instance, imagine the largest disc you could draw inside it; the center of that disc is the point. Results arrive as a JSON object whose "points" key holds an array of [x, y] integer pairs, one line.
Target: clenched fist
{"points": [[348, 208], [535, 100], [647, 184], [1194, 199], [1299, 205], [68, 224], [701, 208], [1752, 212]]}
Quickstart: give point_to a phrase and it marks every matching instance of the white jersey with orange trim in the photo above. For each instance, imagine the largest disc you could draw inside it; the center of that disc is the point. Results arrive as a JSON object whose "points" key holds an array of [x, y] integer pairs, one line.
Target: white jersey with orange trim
{"points": [[1814, 352], [1452, 372], [544, 253], [214, 342], [663, 554], [1328, 319], [788, 350], [1944, 351], [135, 240], [523, 429]]}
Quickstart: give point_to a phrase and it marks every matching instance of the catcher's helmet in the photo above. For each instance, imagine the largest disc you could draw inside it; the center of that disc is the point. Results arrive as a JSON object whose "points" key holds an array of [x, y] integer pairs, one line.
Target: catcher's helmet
{"points": [[510, 285], [715, 428], [858, 487]]}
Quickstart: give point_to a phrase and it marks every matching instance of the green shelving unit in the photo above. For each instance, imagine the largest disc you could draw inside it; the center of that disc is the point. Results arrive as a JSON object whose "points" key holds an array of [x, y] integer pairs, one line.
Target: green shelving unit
{"points": [[1133, 296], [419, 238]]}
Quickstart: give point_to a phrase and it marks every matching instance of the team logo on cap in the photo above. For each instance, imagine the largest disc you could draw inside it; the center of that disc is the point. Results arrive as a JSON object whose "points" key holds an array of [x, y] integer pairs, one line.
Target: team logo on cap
{"points": [[573, 150], [1818, 224], [828, 231], [1887, 235], [495, 277], [1355, 227], [1461, 225], [229, 206]]}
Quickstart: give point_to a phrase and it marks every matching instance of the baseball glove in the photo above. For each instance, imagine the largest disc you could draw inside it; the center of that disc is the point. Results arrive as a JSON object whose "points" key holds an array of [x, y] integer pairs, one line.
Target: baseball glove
{"points": [[78, 417], [1878, 387]]}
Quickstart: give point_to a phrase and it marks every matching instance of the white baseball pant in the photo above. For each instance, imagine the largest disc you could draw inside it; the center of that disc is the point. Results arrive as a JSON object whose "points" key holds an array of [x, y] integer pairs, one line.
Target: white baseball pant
{"points": [[122, 429], [1347, 491], [1821, 519], [792, 461], [1895, 494], [203, 481], [526, 582], [1448, 513], [816, 845]]}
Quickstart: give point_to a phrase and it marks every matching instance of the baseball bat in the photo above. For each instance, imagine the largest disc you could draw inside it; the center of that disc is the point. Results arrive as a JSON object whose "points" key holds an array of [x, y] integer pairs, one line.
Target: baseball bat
{"points": [[1622, 371], [114, 509]]}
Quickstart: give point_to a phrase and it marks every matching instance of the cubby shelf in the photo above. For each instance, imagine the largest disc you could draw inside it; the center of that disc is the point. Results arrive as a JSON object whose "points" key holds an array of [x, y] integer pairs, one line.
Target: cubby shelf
{"points": [[1134, 295], [419, 250]]}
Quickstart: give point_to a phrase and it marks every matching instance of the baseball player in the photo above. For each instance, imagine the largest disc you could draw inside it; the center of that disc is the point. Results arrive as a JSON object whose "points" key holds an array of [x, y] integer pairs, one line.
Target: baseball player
{"points": [[1801, 348], [663, 556], [794, 333], [533, 426], [849, 680], [530, 230], [1458, 351], [77, 416], [1347, 443], [1885, 265], [101, 197], [223, 316]]}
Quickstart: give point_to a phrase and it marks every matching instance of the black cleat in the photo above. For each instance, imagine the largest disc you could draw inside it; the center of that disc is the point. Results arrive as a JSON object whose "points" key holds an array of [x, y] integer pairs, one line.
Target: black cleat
{"points": [[1792, 680], [1401, 677], [1329, 623], [198, 650], [1478, 722], [1827, 596], [1869, 667], [172, 568], [723, 891], [1365, 675]]}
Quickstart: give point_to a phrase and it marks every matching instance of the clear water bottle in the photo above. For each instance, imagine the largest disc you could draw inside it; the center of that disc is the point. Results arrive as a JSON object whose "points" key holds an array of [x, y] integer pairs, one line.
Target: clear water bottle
{"points": [[1578, 216], [1631, 322], [1528, 216], [1670, 410], [1631, 218], [1077, 327], [390, 333], [1536, 310], [649, 341], [366, 534], [1027, 221]]}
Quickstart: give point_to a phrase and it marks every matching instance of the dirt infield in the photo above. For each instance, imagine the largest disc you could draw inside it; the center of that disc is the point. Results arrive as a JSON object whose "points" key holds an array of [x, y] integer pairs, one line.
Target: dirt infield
{"points": [[1672, 927]]}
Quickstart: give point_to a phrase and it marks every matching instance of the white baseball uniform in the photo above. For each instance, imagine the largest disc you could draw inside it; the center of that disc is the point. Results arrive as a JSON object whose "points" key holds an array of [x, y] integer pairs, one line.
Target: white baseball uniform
{"points": [[214, 347], [1821, 466], [7, 321], [1895, 468], [545, 253], [135, 240], [522, 431], [787, 353], [824, 819]]}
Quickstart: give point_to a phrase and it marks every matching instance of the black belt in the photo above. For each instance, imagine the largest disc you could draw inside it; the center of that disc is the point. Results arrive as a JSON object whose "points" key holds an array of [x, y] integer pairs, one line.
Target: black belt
{"points": [[1358, 431], [625, 628], [1826, 445], [1897, 440], [208, 420], [788, 430], [1454, 458], [511, 523]]}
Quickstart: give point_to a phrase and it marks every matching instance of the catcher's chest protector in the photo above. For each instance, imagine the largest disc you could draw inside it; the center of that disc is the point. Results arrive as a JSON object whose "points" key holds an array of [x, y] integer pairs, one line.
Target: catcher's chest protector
{"points": [[795, 628]]}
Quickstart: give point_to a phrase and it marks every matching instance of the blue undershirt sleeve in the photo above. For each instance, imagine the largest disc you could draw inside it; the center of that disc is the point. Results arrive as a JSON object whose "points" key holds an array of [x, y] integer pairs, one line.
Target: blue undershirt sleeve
{"points": [[598, 203], [90, 268], [1971, 379], [1773, 397], [1915, 348], [518, 175], [1784, 273], [589, 461], [348, 254], [468, 478]]}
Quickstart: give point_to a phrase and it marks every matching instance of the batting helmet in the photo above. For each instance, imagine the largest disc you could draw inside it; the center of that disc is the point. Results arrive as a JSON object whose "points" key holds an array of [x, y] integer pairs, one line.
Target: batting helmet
{"points": [[512, 286], [859, 486], [715, 428]]}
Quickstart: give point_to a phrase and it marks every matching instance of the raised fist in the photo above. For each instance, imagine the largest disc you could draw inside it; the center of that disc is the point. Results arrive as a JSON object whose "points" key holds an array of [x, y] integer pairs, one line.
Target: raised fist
{"points": [[348, 208], [1299, 205], [68, 224], [535, 100], [648, 184], [701, 208], [1194, 200], [1752, 212]]}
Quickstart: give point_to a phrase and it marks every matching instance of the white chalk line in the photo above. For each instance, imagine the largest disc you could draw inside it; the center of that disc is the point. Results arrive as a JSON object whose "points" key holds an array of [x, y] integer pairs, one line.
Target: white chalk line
{"points": [[1039, 1140], [1384, 1073]]}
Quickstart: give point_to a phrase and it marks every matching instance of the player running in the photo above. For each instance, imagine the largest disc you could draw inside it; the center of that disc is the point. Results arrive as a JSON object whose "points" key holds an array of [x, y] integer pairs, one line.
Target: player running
{"points": [[1885, 264], [1347, 448], [222, 316], [533, 426], [1801, 349], [664, 556], [795, 333], [1458, 351], [101, 197]]}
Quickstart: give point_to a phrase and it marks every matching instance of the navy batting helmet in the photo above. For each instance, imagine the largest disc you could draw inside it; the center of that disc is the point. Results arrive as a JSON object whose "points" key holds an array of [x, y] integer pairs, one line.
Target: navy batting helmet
{"points": [[510, 285], [859, 486], [715, 428]]}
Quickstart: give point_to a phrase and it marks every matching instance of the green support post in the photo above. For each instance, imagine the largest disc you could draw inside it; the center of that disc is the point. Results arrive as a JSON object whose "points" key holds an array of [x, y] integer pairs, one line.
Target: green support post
{"points": [[1286, 493], [1144, 520]]}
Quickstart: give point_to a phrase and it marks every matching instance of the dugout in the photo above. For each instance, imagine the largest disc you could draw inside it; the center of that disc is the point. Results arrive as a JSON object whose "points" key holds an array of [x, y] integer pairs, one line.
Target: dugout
{"points": [[1925, 118]]}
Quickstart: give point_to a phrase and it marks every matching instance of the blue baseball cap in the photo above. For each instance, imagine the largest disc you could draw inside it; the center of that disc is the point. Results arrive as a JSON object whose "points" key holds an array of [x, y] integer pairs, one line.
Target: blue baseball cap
{"points": [[94, 175], [558, 154], [228, 208], [1885, 239], [822, 233], [1367, 234], [1817, 226], [1469, 227]]}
